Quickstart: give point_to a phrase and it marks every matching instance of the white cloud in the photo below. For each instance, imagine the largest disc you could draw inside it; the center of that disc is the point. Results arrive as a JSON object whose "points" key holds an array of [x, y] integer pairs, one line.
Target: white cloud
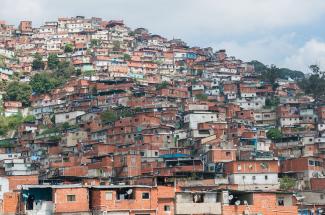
{"points": [[16, 10], [183, 18], [280, 51], [269, 50], [201, 23], [312, 52]]}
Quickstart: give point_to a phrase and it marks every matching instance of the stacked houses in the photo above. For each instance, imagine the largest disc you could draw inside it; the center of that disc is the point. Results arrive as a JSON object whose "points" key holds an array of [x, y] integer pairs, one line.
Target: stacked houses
{"points": [[154, 126]]}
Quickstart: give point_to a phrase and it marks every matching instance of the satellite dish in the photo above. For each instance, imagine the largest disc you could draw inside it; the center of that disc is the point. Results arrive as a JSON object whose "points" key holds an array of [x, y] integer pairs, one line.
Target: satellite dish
{"points": [[129, 192], [245, 202], [316, 174], [237, 202], [230, 197]]}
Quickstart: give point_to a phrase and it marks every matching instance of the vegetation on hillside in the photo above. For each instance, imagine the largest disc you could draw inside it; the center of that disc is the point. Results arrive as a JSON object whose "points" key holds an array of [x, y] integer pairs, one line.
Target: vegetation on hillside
{"points": [[12, 122], [315, 84], [274, 134], [38, 63], [46, 81], [271, 73], [17, 91], [287, 183], [68, 48]]}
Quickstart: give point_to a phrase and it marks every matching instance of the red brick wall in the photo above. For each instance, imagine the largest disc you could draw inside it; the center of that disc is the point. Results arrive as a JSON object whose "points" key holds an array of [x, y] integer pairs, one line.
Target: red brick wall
{"points": [[75, 171], [63, 205], [99, 200], [317, 183], [11, 203], [219, 155], [299, 165], [14, 181], [264, 203], [252, 167]]}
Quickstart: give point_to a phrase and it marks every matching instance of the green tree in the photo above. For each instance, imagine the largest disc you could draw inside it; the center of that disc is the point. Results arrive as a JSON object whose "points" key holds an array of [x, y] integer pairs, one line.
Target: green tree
{"points": [[116, 46], [287, 183], [284, 73], [108, 116], [30, 119], [162, 85], [3, 85], [65, 70], [315, 84], [274, 134], [53, 61], [10, 123], [95, 43], [271, 102], [68, 48], [2, 61], [17, 91], [202, 97], [65, 126], [126, 57], [271, 74], [38, 63], [44, 82]]}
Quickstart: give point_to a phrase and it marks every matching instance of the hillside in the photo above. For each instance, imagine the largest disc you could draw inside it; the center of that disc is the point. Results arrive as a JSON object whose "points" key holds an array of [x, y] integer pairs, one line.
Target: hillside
{"points": [[282, 73]]}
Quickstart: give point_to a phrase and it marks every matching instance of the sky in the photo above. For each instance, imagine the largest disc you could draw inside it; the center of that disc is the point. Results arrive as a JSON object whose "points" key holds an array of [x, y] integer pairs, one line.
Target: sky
{"points": [[287, 33]]}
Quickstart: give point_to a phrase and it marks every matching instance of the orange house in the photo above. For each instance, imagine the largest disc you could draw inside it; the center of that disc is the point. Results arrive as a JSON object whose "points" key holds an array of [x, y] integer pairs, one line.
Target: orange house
{"points": [[133, 199]]}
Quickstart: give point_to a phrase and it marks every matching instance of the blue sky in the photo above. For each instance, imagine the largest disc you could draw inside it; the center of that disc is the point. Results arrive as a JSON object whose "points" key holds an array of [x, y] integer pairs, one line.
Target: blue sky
{"points": [[288, 33]]}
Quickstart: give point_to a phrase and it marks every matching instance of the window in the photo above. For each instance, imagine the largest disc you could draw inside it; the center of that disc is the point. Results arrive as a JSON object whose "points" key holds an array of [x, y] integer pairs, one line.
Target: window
{"points": [[211, 168], [108, 195], [156, 153], [281, 201], [71, 198], [311, 163], [166, 208], [198, 198], [227, 154], [142, 154], [321, 196], [318, 163], [265, 177], [145, 195], [124, 194], [254, 177]]}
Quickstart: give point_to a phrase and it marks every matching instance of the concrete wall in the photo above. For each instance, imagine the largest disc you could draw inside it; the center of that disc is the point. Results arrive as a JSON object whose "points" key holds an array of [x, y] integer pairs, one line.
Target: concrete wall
{"points": [[185, 204], [248, 178], [4, 185], [194, 119], [198, 208]]}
